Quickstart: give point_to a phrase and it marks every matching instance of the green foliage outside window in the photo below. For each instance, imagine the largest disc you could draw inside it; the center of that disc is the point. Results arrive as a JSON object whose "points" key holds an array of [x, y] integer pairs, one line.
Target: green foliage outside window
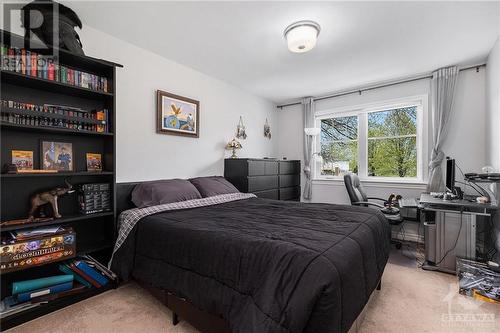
{"points": [[392, 144]]}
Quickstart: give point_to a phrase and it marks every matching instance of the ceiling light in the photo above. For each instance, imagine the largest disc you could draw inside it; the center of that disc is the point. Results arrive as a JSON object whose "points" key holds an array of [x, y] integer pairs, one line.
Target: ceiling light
{"points": [[301, 36]]}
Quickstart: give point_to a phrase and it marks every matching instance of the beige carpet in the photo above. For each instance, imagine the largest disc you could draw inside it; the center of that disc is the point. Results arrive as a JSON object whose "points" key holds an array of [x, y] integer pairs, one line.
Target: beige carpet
{"points": [[411, 300]]}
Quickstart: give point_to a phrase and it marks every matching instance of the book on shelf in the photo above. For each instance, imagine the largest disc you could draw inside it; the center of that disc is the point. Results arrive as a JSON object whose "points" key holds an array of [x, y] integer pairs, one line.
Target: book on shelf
{"points": [[29, 63], [26, 296], [64, 267], [19, 287], [84, 275]]}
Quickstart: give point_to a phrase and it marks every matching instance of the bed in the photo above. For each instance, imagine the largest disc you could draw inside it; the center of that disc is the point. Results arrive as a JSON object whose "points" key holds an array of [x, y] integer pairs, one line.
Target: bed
{"points": [[258, 265]]}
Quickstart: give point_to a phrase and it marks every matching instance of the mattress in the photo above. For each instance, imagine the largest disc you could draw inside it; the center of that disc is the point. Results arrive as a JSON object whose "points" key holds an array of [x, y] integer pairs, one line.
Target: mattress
{"points": [[263, 265]]}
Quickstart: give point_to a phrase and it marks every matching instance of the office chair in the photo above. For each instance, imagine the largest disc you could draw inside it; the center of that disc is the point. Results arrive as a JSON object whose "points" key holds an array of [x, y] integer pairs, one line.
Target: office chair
{"points": [[358, 197]]}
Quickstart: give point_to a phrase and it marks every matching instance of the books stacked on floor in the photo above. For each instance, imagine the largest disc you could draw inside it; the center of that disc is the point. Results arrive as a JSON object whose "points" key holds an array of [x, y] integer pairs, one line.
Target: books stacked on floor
{"points": [[21, 249], [30, 63], [78, 275], [49, 115]]}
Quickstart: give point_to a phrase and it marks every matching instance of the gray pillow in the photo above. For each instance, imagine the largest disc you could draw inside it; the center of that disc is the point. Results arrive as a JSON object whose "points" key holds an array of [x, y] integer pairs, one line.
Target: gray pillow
{"points": [[214, 185], [159, 192]]}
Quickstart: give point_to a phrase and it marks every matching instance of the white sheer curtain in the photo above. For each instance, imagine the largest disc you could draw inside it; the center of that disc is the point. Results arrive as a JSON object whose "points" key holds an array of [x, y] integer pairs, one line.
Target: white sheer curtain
{"points": [[308, 111], [444, 82]]}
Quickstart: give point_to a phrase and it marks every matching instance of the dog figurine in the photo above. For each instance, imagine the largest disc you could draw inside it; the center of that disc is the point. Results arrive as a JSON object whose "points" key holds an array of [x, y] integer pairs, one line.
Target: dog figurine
{"points": [[47, 197]]}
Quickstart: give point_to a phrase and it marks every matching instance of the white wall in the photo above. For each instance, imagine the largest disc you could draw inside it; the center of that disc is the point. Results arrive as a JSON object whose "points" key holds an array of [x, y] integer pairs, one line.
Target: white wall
{"points": [[465, 140], [144, 155], [493, 107], [493, 121]]}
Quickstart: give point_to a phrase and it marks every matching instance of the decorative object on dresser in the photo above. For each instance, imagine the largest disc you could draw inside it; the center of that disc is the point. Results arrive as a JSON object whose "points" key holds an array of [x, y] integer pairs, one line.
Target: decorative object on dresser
{"points": [[62, 103], [266, 178], [240, 130], [267, 130], [49, 197], [233, 145], [177, 115]]}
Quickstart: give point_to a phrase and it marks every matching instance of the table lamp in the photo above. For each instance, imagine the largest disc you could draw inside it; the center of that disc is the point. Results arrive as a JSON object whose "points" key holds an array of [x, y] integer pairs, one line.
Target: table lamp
{"points": [[234, 144]]}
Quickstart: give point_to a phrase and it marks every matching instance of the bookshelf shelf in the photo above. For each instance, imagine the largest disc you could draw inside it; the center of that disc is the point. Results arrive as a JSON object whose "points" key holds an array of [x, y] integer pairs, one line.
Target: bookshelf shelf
{"points": [[48, 129], [42, 309], [95, 233], [58, 174], [10, 77], [64, 220]]}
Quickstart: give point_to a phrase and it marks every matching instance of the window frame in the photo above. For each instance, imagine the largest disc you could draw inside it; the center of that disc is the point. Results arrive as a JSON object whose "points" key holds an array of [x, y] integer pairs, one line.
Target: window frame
{"points": [[362, 111]]}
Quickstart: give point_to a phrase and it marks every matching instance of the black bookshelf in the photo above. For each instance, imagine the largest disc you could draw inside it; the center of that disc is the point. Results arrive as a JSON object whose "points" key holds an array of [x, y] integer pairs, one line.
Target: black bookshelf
{"points": [[95, 233]]}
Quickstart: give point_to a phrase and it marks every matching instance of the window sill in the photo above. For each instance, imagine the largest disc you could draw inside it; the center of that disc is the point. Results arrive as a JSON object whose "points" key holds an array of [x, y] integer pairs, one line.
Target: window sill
{"points": [[413, 184]]}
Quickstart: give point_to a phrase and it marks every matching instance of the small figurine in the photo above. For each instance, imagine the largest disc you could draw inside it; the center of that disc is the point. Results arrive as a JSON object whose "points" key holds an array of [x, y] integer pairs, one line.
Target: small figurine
{"points": [[267, 130], [47, 197], [240, 130]]}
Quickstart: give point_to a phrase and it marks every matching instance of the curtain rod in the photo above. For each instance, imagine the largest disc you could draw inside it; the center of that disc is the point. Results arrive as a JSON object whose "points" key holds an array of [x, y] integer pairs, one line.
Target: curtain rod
{"points": [[377, 86]]}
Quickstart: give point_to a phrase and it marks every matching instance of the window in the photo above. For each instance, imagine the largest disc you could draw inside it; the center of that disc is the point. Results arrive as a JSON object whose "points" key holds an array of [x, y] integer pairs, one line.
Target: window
{"points": [[376, 142], [339, 145]]}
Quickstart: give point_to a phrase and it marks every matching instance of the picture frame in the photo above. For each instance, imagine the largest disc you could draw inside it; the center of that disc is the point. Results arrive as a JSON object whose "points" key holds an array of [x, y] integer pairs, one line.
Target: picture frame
{"points": [[22, 159], [177, 115], [56, 156], [94, 162]]}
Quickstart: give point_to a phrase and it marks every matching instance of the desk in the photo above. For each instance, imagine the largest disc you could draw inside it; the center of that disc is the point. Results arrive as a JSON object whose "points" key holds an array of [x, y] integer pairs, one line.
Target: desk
{"points": [[450, 230]]}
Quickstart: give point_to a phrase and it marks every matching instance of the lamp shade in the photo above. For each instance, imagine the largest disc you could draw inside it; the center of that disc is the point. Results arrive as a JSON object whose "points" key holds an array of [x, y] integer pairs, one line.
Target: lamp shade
{"points": [[302, 36], [312, 131]]}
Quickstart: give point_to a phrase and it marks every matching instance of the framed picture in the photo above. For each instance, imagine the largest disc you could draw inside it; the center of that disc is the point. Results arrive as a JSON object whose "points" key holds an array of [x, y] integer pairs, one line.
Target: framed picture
{"points": [[57, 156], [94, 162], [23, 159], [177, 115]]}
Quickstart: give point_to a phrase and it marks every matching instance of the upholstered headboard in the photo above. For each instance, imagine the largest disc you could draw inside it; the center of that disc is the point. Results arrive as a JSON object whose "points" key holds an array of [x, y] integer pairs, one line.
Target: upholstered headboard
{"points": [[124, 196]]}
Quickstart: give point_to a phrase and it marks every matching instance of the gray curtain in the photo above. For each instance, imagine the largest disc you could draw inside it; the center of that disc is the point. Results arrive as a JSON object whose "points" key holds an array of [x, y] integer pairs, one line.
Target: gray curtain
{"points": [[444, 82], [308, 111]]}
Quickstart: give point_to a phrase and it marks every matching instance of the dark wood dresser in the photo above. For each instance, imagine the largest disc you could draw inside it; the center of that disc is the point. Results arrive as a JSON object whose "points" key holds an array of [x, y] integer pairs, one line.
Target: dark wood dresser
{"points": [[266, 178]]}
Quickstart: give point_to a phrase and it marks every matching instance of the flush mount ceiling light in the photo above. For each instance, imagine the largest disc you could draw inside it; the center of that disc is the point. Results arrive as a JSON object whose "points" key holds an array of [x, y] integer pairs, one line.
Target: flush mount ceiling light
{"points": [[301, 36]]}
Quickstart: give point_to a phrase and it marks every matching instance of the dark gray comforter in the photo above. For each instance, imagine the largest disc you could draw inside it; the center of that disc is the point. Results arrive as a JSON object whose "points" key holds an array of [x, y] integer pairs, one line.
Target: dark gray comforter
{"points": [[263, 265]]}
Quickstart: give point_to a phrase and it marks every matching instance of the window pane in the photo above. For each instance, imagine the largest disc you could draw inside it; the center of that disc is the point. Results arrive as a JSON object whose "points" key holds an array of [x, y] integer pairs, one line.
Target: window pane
{"points": [[339, 158], [392, 157], [339, 129], [394, 122]]}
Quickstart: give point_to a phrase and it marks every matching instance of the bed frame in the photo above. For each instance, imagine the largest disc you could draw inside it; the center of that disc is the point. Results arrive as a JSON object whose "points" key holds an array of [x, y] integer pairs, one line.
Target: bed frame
{"points": [[181, 308]]}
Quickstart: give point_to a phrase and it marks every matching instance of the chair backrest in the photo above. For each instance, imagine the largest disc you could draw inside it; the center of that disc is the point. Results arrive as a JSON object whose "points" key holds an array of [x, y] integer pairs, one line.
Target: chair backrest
{"points": [[354, 188]]}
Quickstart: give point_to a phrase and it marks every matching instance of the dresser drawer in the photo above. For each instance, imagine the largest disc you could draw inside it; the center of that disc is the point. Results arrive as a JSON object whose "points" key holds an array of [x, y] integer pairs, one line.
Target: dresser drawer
{"points": [[289, 180], [269, 194], [262, 168], [289, 167], [290, 193], [261, 183]]}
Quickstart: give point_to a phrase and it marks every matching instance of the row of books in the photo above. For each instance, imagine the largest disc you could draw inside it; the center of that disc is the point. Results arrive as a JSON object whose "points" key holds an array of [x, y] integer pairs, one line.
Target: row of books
{"points": [[30, 63], [79, 274]]}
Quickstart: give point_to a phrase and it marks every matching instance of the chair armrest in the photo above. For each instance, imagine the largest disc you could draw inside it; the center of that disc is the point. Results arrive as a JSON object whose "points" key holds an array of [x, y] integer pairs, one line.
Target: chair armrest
{"points": [[374, 198], [361, 203]]}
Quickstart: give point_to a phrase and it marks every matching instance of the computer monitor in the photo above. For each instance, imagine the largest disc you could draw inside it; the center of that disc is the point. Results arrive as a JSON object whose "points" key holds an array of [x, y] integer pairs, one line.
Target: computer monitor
{"points": [[450, 174]]}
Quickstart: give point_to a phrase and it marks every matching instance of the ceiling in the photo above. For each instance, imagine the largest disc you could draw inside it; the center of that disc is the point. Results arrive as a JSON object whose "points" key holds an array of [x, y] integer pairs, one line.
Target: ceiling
{"points": [[360, 42]]}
